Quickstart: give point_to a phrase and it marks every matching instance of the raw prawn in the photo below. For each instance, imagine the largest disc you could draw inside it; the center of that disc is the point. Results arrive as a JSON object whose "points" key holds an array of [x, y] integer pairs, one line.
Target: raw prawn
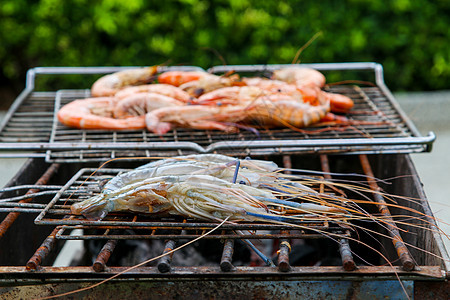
{"points": [[110, 84], [139, 104], [251, 172], [96, 113], [202, 197], [254, 164], [163, 89]]}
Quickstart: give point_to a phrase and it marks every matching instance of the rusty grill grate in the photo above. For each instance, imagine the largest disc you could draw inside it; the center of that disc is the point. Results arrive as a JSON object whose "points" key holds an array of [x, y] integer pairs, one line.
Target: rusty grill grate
{"points": [[271, 243]]}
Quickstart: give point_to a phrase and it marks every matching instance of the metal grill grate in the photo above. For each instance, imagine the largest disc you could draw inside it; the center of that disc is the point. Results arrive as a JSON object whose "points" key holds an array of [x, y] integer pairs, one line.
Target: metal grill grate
{"points": [[85, 184], [32, 120], [379, 126], [373, 118]]}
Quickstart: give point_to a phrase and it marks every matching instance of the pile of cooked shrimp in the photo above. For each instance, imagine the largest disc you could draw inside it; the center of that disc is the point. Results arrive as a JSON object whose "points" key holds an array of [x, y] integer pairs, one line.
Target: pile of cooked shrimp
{"points": [[292, 97]]}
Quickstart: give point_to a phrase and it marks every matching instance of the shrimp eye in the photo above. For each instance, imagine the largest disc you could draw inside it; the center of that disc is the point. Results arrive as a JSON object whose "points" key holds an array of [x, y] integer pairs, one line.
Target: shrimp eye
{"points": [[242, 182], [198, 92]]}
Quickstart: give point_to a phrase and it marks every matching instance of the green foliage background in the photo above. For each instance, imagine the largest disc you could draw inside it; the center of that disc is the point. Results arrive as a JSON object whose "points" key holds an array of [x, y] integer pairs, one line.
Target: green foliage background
{"points": [[410, 38]]}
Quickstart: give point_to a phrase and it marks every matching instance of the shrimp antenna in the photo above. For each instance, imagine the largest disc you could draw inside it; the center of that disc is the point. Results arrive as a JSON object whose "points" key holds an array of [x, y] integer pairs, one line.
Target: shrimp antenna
{"points": [[296, 59], [219, 56]]}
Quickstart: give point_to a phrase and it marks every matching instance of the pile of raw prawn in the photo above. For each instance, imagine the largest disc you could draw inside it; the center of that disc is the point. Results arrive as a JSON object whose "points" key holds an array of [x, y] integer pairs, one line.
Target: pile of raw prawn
{"points": [[212, 187], [292, 98]]}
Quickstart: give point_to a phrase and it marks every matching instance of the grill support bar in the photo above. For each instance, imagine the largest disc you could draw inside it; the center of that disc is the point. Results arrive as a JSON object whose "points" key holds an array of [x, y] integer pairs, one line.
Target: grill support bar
{"points": [[227, 255], [344, 248], [165, 261], [400, 247], [11, 217], [42, 252], [104, 255]]}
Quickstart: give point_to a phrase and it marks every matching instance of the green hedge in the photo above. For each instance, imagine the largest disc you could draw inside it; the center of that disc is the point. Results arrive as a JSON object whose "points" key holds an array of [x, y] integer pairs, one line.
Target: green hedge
{"points": [[410, 38]]}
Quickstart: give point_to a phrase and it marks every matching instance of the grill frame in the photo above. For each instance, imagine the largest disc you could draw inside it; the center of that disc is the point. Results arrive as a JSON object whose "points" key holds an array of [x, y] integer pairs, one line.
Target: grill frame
{"points": [[411, 142], [17, 279], [202, 282]]}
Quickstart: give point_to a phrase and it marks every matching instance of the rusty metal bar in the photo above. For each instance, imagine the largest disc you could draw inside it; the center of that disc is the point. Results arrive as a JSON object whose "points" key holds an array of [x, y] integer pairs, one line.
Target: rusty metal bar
{"points": [[283, 254], [287, 163], [12, 216], [104, 255], [344, 248], [325, 166], [400, 247], [165, 261], [227, 256], [42, 251], [347, 258]]}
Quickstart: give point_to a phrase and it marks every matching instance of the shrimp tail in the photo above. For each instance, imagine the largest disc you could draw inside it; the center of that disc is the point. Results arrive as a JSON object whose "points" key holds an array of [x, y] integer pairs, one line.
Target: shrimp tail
{"points": [[240, 126]]}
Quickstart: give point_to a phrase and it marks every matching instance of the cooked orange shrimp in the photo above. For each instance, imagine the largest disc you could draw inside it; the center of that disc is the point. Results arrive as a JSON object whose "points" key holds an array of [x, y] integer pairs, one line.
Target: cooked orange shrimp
{"points": [[110, 84], [177, 78], [163, 89], [308, 82], [139, 104], [96, 113], [286, 113], [164, 119], [290, 113], [339, 103], [230, 95], [270, 85], [210, 83], [300, 76]]}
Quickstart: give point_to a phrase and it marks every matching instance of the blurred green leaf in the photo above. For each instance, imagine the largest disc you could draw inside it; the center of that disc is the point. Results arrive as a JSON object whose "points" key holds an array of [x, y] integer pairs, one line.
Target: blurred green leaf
{"points": [[410, 38]]}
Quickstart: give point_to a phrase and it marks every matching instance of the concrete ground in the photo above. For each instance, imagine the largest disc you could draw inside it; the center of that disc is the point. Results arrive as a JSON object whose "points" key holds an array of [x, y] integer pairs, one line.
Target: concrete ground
{"points": [[429, 111]]}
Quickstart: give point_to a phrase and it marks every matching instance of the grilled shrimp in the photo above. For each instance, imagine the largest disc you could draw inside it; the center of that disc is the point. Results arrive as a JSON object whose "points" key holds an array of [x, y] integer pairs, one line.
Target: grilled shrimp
{"points": [[230, 96], [110, 84], [177, 78], [163, 89], [271, 85], [308, 82], [286, 113], [139, 104], [96, 113], [300, 76], [162, 120], [339, 103], [210, 83], [267, 113]]}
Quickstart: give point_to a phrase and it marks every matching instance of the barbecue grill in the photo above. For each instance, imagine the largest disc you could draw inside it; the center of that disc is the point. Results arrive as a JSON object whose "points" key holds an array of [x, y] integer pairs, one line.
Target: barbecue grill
{"points": [[245, 260]]}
